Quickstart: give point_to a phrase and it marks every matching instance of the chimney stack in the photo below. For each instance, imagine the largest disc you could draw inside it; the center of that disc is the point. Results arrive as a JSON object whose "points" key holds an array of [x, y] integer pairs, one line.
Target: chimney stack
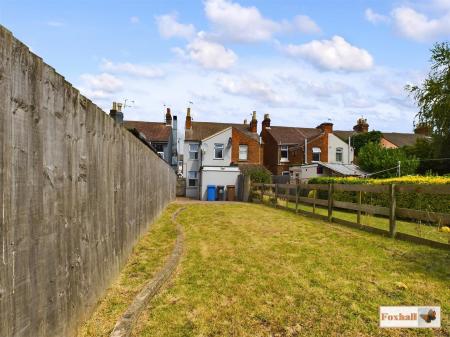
{"points": [[245, 121], [422, 129], [116, 113], [168, 117], [188, 124], [326, 127], [266, 122], [361, 125], [253, 123]]}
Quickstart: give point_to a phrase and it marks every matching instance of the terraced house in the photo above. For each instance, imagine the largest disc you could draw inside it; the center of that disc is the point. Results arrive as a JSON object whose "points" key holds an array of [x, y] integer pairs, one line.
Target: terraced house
{"points": [[215, 152], [288, 147]]}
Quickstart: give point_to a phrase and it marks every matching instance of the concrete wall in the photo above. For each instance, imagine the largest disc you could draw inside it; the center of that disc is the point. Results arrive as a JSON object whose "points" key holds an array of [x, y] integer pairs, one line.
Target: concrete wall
{"points": [[76, 192]]}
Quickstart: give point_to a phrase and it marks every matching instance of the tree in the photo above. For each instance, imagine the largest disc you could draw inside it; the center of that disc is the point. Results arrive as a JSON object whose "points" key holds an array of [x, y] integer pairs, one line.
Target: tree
{"points": [[433, 100], [361, 139], [375, 158]]}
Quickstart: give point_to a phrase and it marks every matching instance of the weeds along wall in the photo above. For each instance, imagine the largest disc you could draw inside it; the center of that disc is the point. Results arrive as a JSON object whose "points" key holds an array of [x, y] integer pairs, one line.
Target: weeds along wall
{"points": [[76, 191]]}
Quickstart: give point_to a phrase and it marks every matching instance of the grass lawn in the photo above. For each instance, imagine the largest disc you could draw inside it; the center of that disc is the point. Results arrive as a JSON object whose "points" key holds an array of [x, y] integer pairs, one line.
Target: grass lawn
{"points": [[251, 270], [147, 257], [422, 230]]}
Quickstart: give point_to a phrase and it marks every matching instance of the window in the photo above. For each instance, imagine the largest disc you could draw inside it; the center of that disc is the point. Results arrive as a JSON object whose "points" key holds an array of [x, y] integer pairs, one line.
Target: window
{"points": [[285, 173], [192, 178], [243, 152], [193, 151], [159, 147], [218, 151], [284, 153], [316, 153], [161, 154], [339, 153]]}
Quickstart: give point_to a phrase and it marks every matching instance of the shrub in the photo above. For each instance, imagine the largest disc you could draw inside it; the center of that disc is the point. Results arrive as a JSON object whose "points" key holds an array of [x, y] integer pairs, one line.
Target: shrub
{"points": [[257, 173]]}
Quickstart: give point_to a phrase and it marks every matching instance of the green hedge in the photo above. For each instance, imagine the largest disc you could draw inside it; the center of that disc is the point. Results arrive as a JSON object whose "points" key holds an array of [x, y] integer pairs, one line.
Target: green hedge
{"points": [[419, 201]]}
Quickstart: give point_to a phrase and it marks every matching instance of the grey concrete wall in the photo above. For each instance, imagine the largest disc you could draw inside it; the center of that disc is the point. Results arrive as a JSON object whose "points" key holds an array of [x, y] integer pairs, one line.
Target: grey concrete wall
{"points": [[76, 191]]}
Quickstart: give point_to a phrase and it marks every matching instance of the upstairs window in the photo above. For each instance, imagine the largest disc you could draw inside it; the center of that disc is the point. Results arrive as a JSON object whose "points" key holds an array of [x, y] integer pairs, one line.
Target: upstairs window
{"points": [[316, 153], [218, 151], [284, 153], [339, 154], [192, 178], [193, 151], [243, 152]]}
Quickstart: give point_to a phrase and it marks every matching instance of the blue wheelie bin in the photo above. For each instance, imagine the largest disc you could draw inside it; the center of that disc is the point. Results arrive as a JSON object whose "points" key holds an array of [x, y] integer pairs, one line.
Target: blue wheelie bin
{"points": [[211, 192]]}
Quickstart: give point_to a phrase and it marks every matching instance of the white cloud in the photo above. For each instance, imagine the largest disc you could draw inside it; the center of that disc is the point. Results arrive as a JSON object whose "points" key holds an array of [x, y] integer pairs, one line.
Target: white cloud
{"points": [[100, 86], [252, 88], [374, 17], [135, 20], [132, 69], [334, 54], [306, 25], [210, 55], [55, 24], [168, 27], [417, 26], [234, 22]]}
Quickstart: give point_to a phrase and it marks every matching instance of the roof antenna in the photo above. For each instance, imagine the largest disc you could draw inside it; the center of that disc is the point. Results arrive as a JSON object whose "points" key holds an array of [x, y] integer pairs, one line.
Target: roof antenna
{"points": [[128, 105]]}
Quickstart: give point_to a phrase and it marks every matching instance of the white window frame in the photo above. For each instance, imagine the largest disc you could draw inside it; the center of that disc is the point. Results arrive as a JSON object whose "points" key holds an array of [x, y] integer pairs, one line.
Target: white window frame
{"points": [[340, 151], [241, 152], [161, 154], [192, 176], [282, 149], [316, 151], [220, 147], [193, 154]]}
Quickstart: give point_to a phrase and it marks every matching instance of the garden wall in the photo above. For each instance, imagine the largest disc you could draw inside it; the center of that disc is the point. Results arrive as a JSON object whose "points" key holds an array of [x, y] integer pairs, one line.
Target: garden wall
{"points": [[76, 191]]}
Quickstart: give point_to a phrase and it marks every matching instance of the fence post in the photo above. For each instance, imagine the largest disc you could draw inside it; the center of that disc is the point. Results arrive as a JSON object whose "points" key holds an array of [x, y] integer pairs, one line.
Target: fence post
{"points": [[314, 200], [276, 195], [262, 193], [287, 193], [330, 202], [358, 216], [392, 206], [296, 198]]}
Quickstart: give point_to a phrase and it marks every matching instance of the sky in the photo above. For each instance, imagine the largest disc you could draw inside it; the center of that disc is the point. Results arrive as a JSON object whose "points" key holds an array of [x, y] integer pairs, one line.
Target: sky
{"points": [[303, 62]]}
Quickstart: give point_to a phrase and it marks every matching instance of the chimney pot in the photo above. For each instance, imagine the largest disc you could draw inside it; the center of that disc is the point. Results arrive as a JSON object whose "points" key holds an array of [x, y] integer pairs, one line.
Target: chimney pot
{"points": [[361, 125], [266, 122], [116, 112], [253, 123]]}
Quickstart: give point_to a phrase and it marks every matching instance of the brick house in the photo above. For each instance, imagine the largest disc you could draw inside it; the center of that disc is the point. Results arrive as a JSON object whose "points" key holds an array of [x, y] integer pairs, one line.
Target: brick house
{"points": [[214, 153], [161, 135], [390, 140], [287, 146]]}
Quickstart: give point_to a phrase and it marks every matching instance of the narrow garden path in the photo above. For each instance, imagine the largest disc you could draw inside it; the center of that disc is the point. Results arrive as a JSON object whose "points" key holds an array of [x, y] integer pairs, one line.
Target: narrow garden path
{"points": [[124, 325]]}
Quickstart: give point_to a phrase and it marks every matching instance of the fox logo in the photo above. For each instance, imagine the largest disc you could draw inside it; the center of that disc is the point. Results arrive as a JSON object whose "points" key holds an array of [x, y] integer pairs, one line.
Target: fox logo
{"points": [[430, 316]]}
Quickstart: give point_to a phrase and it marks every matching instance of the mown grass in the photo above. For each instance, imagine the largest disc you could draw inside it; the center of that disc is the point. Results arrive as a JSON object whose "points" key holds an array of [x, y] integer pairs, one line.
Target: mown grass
{"points": [[422, 230], [147, 258], [252, 270]]}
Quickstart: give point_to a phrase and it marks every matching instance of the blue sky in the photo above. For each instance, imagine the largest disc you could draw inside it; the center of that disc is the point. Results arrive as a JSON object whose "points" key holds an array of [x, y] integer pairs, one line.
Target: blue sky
{"points": [[301, 61]]}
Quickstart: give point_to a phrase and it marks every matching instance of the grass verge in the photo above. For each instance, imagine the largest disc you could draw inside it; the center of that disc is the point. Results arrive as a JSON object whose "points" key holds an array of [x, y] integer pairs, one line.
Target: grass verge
{"points": [[148, 256]]}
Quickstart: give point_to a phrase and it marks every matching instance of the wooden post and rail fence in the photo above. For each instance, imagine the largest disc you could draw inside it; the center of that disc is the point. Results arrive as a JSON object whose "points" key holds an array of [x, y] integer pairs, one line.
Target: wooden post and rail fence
{"points": [[291, 193]]}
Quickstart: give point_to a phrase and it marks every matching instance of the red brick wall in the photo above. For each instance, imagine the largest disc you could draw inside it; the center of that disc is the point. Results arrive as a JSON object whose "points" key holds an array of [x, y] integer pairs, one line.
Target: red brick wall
{"points": [[297, 156], [255, 151], [270, 150]]}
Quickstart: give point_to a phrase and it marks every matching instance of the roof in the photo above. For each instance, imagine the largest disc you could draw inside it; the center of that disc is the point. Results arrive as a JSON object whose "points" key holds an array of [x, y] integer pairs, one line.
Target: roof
{"points": [[153, 131], [396, 138], [344, 169], [402, 139], [292, 135], [202, 130]]}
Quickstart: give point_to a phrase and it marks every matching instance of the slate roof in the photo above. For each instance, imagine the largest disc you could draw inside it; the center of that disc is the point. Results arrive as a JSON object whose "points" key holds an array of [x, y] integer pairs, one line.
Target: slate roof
{"points": [[292, 135], [396, 138], [153, 131], [202, 130]]}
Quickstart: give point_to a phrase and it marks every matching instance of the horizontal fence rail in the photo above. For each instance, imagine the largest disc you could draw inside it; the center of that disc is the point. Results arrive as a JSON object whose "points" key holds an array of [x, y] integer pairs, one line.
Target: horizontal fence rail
{"points": [[295, 194]]}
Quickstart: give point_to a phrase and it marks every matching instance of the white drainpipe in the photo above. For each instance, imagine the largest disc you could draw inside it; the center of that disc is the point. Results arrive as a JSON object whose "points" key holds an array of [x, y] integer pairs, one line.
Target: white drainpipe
{"points": [[306, 151]]}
